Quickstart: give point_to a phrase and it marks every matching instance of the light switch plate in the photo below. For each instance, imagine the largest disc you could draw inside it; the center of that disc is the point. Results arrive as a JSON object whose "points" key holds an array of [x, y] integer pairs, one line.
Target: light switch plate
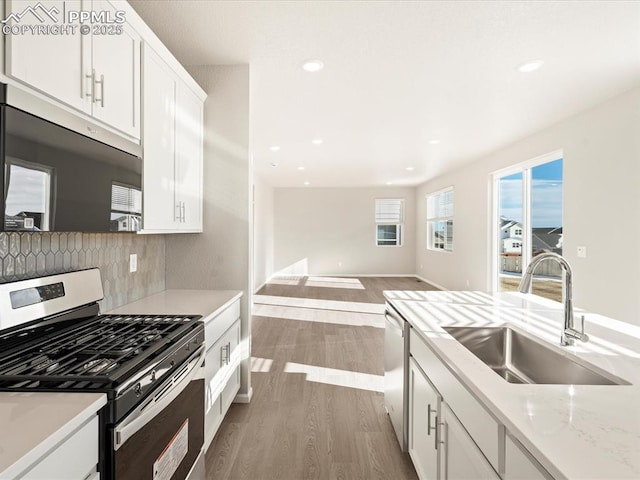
{"points": [[582, 252], [133, 263]]}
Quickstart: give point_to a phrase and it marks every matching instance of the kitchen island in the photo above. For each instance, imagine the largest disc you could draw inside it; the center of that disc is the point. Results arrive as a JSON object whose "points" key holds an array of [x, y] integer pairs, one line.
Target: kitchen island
{"points": [[572, 431]]}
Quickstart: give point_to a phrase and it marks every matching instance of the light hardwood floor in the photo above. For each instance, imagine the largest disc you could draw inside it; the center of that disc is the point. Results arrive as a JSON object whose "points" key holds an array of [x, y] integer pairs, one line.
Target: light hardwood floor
{"points": [[317, 410]]}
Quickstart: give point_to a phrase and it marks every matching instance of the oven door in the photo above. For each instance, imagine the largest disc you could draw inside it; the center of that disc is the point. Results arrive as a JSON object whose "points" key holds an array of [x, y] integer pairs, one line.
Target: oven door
{"points": [[163, 437]]}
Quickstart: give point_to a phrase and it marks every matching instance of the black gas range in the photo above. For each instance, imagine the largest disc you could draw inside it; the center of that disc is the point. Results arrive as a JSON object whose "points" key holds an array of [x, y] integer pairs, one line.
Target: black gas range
{"points": [[53, 338]]}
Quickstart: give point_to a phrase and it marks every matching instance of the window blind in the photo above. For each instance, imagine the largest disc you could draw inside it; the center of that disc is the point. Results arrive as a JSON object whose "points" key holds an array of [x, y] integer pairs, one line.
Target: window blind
{"points": [[126, 199], [440, 205], [389, 210]]}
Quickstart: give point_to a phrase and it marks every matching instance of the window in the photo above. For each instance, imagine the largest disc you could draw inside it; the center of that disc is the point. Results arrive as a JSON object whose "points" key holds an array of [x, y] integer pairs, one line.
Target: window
{"points": [[389, 218], [126, 208], [528, 220], [28, 201], [440, 220]]}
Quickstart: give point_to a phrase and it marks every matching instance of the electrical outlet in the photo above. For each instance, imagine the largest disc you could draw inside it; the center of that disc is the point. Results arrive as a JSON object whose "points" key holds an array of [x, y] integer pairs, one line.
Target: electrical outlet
{"points": [[133, 263], [582, 252]]}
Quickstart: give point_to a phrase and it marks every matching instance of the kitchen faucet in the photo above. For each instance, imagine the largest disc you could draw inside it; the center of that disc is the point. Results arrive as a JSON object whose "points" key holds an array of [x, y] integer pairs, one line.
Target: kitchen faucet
{"points": [[569, 334]]}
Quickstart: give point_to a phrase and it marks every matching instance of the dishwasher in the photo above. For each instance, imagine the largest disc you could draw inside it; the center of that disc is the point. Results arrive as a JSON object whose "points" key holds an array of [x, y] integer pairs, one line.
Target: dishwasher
{"points": [[396, 372]]}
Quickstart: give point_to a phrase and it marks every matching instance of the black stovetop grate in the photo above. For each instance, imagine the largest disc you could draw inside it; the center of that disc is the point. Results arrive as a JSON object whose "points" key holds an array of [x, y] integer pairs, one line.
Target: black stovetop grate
{"points": [[95, 352]]}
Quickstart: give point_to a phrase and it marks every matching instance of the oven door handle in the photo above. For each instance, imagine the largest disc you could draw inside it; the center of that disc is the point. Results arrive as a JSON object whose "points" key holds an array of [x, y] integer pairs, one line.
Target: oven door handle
{"points": [[168, 392]]}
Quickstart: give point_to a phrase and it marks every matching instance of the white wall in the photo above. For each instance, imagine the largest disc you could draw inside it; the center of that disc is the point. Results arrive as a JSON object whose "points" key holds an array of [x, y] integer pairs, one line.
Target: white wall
{"points": [[333, 229], [218, 258], [601, 196], [263, 205]]}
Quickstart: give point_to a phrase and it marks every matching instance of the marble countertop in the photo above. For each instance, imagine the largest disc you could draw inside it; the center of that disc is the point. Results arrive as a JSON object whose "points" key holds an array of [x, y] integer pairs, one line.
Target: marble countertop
{"points": [[32, 423], [207, 303], [575, 431]]}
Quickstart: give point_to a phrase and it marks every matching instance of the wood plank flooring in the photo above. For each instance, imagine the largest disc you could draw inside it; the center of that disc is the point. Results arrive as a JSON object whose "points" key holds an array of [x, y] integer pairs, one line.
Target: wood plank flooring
{"points": [[317, 410]]}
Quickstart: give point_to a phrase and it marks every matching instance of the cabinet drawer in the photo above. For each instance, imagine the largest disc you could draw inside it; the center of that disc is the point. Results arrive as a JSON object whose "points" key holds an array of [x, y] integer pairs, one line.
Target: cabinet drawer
{"points": [[482, 427], [215, 327], [73, 459]]}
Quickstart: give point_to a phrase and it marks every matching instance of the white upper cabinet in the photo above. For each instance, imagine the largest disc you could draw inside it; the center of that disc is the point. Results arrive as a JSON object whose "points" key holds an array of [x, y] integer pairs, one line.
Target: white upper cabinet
{"points": [[52, 64], [172, 143], [116, 98], [96, 72], [189, 158], [159, 138]]}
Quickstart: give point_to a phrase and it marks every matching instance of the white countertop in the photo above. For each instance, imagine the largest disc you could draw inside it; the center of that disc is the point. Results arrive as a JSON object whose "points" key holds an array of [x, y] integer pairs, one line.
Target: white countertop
{"points": [[575, 431], [32, 423], [207, 303]]}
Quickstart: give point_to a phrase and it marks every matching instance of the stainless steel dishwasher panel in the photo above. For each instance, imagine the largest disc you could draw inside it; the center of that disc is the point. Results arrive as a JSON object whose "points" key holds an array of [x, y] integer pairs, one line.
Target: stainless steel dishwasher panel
{"points": [[396, 363]]}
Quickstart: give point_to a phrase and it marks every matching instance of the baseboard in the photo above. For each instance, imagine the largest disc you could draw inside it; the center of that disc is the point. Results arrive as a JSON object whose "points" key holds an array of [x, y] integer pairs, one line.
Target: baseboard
{"points": [[244, 397], [439, 287], [256, 290]]}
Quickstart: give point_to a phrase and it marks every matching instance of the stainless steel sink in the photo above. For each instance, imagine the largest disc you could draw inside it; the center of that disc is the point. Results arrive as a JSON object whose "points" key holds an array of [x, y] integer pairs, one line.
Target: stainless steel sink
{"points": [[519, 359]]}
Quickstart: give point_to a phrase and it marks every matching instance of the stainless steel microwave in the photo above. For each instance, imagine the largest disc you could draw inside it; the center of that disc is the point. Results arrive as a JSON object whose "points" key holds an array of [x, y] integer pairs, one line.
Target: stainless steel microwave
{"points": [[56, 179]]}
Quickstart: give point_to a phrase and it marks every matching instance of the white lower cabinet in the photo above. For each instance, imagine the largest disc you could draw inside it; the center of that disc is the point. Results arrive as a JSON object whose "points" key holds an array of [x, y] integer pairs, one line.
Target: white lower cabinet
{"points": [[460, 457], [424, 403], [520, 464], [76, 458], [451, 436], [221, 368]]}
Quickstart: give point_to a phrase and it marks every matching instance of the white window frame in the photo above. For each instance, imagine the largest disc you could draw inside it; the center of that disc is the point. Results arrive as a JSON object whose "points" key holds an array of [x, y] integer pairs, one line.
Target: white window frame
{"points": [[431, 220], [399, 225], [524, 168]]}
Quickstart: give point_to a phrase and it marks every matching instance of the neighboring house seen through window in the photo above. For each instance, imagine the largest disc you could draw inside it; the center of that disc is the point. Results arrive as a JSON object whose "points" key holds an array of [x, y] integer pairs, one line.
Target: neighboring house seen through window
{"points": [[440, 220], [528, 220], [389, 220]]}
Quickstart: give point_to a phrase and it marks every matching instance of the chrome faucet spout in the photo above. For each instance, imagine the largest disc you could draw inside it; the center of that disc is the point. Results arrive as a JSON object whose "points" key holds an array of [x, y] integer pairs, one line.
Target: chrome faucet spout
{"points": [[569, 333]]}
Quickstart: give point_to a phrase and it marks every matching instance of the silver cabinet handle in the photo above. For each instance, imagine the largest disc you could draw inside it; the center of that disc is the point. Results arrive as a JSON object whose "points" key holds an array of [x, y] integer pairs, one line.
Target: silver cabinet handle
{"points": [[184, 215], [429, 427], [92, 91], [177, 216], [101, 82]]}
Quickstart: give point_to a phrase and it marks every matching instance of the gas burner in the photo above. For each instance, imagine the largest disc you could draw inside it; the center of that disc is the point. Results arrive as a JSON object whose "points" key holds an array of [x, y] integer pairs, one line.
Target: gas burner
{"points": [[151, 337], [99, 365], [46, 363]]}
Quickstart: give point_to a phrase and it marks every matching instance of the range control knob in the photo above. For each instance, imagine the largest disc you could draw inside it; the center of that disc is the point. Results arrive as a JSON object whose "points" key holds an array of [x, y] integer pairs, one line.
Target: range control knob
{"points": [[138, 389]]}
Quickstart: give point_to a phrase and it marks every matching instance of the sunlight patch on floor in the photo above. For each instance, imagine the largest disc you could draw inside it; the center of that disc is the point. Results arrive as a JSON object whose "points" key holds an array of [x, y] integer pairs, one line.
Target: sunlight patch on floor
{"points": [[334, 282], [335, 305], [287, 280], [320, 315], [339, 378], [261, 365]]}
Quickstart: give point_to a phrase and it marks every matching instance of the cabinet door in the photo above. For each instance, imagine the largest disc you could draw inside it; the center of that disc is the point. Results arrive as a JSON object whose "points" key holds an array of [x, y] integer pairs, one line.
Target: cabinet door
{"points": [[189, 158], [423, 417], [461, 458], [52, 64], [232, 339], [159, 144], [519, 465], [116, 63]]}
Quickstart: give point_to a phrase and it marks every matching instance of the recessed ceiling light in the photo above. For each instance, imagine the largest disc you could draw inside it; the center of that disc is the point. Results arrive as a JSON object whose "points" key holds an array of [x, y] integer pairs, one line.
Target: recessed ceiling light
{"points": [[434, 142], [274, 148], [301, 168], [389, 183], [307, 182], [410, 169], [317, 141], [530, 66], [313, 65], [273, 164]]}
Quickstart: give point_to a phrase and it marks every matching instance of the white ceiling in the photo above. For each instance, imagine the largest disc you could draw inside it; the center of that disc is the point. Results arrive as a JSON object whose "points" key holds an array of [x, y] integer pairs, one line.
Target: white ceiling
{"points": [[399, 74]]}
